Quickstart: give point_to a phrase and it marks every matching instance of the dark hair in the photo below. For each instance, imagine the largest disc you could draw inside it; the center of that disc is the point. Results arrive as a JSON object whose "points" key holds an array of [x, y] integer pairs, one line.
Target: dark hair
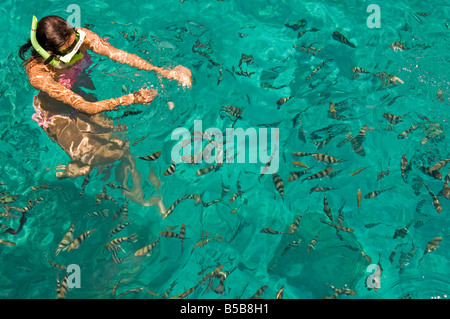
{"points": [[52, 32]]}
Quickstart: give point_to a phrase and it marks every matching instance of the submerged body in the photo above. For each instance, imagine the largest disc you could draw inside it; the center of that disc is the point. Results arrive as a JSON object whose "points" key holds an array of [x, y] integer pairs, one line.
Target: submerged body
{"points": [[74, 119]]}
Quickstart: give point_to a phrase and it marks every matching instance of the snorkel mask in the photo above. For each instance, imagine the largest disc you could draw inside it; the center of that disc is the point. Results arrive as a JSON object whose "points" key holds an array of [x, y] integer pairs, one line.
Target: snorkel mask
{"points": [[63, 59]]}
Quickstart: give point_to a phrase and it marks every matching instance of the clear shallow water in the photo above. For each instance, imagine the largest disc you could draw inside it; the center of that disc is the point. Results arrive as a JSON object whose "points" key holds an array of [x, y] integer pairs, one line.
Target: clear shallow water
{"points": [[173, 29]]}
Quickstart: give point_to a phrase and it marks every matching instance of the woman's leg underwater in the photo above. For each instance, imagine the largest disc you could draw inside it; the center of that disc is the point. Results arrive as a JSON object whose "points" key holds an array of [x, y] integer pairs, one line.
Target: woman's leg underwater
{"points": [[136, 194]]}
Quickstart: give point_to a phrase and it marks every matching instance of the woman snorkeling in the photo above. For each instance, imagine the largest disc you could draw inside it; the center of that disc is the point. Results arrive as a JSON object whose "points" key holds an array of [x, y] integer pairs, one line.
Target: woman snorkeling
{"points": [[72, 118]]}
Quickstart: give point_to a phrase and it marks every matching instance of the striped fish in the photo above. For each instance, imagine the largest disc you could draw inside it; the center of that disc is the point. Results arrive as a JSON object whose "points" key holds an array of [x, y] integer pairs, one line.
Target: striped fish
{"points": [[321, 144], [182, 234], [206, 170], [340, 218], [118, 283], [100, 213], [294, 226], [135, 290], [446, 188], [86, 180], [169, 234], [185, 294], [62, 288], [296, 174], [301, 153], [297, 121], [77, 241], [362, 133], [117, 241], [402, 232], [124, 210], [433, 173], [62, 267], [326, 207], [196, 197], [140, 139], [8, 199], [431, 246], [271, 231], [315, 70], [321, 189], [405, 259], [151, 157], [357, 146], [339, 227], [232, 111], [398, 46], [393, 119], [332, 110], [320, 174], [258, 293], [357, 71], [119, 227], [278, 184], [103, 196], [404, 167], [404, 134], [436, 202], [147, 249], [341, 38], [376, 193], [290, 245], [313, 241], [283, 100], [325, 158], [440, 164], [171, 169], [382, 174], [68, 237]]}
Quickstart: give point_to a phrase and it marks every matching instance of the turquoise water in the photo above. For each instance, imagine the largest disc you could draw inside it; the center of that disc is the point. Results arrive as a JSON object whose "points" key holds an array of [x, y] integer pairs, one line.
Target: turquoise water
{"points": [[229, 29]]}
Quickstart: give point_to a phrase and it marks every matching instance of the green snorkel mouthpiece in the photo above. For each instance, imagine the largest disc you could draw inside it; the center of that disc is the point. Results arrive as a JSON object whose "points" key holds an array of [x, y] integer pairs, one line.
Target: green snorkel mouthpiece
{"points": [[44, 54]]}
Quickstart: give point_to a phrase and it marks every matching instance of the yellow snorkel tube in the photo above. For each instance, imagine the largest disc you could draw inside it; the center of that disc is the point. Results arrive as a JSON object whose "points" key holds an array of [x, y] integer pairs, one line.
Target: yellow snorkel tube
{"points": [[44, 54]]}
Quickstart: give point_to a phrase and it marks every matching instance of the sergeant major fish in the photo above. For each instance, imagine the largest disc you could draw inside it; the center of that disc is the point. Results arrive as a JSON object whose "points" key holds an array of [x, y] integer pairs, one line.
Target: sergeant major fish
{"points": [[147, 249], [341, 38], [319, 174], [296, 174], [271, 231], [393, 119], [436, 202], [326, 207], [171, 169], [77, 241], [278, 184], [376, 193], [119, 227], [151, 157], [431, 246], [313, 241], [404, 167], [68, 237], [294, 226]]}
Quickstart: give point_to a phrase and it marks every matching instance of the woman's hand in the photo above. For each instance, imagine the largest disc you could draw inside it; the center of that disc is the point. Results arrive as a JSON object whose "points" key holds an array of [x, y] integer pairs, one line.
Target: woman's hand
{"points": [[181, 74], [144, 96]]}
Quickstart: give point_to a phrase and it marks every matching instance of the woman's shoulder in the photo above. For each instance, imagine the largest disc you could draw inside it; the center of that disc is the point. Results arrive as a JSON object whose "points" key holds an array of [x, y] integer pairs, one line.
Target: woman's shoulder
{"points": [[37, 71], [35, 65]]}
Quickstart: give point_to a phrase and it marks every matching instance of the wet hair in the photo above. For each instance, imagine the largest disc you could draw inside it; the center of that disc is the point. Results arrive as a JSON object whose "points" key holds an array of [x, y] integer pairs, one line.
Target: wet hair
{"points": [[52, 32]]}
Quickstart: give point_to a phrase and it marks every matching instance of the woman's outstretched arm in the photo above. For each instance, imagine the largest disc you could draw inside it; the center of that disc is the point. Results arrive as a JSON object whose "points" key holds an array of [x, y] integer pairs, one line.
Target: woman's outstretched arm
{"points": [[102, 47], [42, 79]]}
